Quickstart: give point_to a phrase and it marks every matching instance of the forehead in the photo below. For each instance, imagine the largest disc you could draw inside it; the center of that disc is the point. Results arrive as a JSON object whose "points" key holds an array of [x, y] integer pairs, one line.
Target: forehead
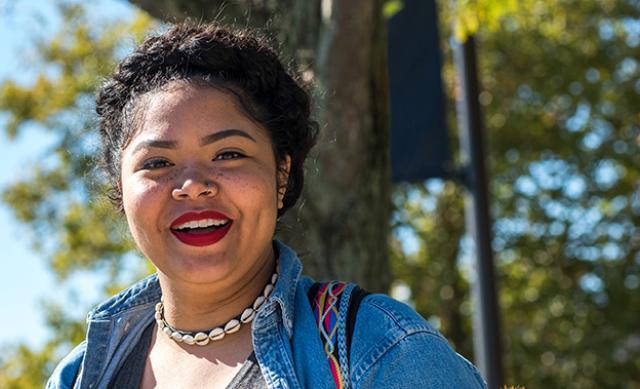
{"points": [[181, 108]]}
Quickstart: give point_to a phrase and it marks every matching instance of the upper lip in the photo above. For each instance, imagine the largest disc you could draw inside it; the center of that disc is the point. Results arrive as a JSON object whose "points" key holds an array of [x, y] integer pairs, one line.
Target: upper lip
{"points": [[191, 216]]}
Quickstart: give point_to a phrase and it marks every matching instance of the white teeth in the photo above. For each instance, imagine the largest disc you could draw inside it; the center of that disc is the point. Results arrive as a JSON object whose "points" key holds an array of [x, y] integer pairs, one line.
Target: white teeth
{"points": [[201, 223]]}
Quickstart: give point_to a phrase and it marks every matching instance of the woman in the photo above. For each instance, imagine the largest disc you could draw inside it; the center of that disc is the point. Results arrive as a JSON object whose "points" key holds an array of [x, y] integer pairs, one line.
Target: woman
{"points": [[204, 137]]}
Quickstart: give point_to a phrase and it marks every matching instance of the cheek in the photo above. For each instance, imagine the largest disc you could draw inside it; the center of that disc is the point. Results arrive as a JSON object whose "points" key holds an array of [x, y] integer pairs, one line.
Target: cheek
{"points": [[139, 198], [256, 188], [262, 185]]}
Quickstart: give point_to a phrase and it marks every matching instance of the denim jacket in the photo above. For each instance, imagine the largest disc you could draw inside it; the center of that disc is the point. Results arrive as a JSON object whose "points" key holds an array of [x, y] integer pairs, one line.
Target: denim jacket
{"points": [[392, 346]]}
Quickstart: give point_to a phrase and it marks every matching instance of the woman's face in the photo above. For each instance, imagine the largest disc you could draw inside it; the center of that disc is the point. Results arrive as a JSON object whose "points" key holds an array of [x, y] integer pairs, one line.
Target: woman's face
{"points": [[199, 186]]}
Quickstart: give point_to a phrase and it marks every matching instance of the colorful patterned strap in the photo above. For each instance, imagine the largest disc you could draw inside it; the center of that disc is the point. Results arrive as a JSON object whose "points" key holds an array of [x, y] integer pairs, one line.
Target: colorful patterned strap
{"points": [[325, 302]]}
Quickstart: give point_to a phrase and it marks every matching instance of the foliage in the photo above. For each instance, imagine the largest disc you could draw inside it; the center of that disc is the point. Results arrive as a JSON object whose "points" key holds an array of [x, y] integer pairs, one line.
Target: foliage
{"points": [[59, 197], [436, 213], [560, 97], [571, 272], [27, 368], [547, 17]]}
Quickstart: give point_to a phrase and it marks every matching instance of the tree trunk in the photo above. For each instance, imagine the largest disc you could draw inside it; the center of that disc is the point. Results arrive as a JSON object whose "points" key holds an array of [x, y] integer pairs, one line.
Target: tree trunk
{"points": [[347, 209], [341, 228]]}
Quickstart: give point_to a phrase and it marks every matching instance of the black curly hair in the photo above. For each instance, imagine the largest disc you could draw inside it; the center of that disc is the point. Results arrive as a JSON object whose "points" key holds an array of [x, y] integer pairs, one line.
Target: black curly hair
{"points": [[241, 63]]}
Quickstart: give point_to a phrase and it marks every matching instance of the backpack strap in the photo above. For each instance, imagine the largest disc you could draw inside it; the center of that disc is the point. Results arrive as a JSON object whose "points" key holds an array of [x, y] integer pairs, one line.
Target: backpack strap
{"points": [[325, 299]]}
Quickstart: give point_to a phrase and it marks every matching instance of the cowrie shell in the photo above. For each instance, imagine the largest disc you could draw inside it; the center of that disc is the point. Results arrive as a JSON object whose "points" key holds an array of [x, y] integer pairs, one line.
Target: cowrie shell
{"points": [[267, 290], [258, 303], [247, 315], [188, 339], [232, 326], [216, 333]]}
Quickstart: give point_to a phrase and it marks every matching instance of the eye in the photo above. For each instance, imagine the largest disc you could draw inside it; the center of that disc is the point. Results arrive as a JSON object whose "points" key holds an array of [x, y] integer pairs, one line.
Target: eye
{"points": [[225, 155], [157, 163]]}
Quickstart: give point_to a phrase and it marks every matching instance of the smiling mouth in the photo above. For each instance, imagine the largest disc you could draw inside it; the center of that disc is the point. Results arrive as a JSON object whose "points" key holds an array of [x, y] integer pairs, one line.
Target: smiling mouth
{"points": [[201, 229], [201, 226]]}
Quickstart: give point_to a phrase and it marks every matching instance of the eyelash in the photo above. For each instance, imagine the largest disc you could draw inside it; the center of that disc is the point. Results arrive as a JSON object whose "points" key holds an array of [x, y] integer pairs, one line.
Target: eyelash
{"points": [[227, 155], [153, 164]]}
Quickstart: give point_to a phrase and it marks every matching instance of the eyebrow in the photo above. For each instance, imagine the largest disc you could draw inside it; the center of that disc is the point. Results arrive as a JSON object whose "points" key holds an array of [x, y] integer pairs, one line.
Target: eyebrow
{"points": [[216, 136], [160, 144], [211, 138]]}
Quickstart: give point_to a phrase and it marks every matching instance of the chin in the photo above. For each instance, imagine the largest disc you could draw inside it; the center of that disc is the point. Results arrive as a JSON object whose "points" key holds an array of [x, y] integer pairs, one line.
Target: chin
{"points": [[205, 268]]}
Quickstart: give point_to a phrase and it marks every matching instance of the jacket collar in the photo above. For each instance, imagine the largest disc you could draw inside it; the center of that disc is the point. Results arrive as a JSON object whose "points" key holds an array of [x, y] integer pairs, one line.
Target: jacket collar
{"points": [[289, 270], [145, 291]]}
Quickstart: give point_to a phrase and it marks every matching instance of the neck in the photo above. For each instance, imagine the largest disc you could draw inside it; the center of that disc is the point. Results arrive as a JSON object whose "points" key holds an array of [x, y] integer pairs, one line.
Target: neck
{"points": [[195, 307]]}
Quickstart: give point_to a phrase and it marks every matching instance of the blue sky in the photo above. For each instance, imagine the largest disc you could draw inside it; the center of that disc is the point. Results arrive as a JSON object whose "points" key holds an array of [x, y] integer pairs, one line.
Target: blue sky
{"points": [[25, 281]]}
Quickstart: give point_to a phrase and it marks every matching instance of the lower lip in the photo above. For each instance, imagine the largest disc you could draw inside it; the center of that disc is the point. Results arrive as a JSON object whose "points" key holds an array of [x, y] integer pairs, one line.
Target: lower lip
{"points": [[201, 240]]}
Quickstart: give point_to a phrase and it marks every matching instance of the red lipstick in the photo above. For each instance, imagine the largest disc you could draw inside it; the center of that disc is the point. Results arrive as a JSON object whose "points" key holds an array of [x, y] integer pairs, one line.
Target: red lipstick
{"points": [[201, 236]]}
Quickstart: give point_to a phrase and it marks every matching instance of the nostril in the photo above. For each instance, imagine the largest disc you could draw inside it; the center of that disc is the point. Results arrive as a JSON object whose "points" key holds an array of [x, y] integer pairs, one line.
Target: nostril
{"points": [[179, 193], [194, 188], [208, 191]]}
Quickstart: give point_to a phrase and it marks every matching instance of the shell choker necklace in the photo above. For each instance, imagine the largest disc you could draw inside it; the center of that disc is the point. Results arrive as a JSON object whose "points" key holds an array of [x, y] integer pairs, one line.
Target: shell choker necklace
{"points": [[202, 338]]}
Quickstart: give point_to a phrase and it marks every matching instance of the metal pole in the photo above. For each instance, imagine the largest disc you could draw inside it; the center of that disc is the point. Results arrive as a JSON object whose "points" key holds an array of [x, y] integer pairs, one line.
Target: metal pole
{"points": [[486, 319]]}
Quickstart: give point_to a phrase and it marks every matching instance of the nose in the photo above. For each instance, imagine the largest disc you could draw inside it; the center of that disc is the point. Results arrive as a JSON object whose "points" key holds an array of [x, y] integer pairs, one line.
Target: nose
{"points": [[195, 188]]}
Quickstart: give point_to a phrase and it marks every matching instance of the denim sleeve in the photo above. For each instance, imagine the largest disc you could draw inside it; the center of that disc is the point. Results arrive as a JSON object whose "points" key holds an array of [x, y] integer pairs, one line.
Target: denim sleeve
{"points": [[65, 374], [394, 347], [421, 360]]}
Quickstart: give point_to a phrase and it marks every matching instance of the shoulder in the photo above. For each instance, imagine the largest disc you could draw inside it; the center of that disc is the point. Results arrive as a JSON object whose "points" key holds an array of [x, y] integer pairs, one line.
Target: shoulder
{"points": [[136, 300], [393, 346], [65, 374], [399, 318]]}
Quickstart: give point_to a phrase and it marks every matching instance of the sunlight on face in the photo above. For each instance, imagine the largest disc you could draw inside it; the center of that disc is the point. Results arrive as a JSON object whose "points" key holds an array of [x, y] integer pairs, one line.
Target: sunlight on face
{"points": [[199, 186]]}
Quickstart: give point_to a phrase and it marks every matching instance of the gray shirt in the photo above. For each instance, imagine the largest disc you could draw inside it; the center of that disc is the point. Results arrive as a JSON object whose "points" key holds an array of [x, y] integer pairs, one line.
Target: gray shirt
{"points": [[249, 376], [130, 373]]}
